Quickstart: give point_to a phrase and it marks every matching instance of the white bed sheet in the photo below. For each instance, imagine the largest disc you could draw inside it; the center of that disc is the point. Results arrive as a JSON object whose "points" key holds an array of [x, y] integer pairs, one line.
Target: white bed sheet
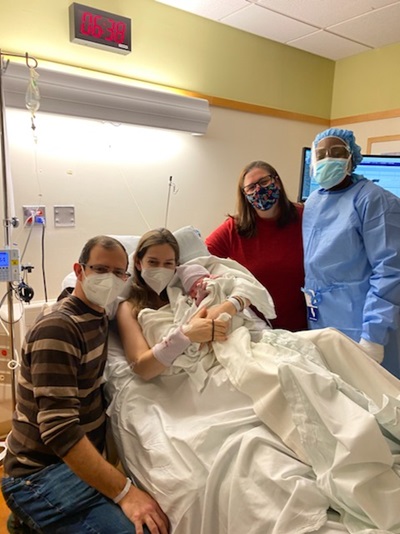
{"points": [[206, 457], [263, 445]]}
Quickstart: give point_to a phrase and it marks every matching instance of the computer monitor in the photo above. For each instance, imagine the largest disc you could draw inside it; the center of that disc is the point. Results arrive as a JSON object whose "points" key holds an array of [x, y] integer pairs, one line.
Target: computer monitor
{"points": [[382, 169]]}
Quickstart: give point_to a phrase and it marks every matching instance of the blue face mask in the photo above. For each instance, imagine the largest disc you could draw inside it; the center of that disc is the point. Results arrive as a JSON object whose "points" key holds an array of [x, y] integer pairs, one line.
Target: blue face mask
{"points": [[330, 172], [265, 197]]}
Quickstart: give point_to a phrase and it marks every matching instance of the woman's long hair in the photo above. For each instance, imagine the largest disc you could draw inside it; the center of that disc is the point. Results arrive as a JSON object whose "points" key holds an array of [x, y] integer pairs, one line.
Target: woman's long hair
{"points": [[142, 296], [246, 216]]}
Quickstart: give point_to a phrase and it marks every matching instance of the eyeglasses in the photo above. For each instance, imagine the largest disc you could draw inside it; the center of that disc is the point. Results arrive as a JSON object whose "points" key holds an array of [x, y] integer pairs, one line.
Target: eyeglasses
{"points": [[335, 151], [262, 182], [103, 269]]}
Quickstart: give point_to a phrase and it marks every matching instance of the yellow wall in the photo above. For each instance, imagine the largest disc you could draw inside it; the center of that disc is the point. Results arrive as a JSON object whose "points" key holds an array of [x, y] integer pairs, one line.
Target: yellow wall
{"points": [[177, 49], [367, 83]]}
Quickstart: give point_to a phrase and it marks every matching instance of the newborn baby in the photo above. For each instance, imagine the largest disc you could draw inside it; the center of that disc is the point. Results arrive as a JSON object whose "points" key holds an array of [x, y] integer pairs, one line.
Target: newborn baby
{"points": [[196, 278]]}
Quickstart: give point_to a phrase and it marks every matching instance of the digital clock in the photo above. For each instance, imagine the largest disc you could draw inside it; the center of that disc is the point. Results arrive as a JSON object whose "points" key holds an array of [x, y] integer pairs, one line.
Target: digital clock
{"points": [[94, 27]]}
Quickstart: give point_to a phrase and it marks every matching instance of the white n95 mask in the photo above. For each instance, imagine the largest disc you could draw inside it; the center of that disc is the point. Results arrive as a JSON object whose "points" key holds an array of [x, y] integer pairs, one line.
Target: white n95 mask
{"points": [[157, 278], [102, 289]]}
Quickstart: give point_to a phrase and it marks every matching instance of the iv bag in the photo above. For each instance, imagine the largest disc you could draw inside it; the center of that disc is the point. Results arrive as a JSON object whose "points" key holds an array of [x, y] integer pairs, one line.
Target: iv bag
{"points": [[32, 95]]}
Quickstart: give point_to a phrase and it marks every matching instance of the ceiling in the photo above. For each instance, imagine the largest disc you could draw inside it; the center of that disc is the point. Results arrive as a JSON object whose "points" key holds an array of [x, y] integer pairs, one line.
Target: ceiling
{"points": [[333, 29]]}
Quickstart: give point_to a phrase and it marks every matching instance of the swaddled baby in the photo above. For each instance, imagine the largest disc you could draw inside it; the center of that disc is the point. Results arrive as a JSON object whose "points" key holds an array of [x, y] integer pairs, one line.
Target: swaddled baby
{"points": [[196, 278]]}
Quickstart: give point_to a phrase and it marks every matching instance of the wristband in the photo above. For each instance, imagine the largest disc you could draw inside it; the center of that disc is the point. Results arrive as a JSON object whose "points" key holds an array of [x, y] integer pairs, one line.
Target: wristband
{"points": [[235, 302], [121, 495], [238, 302], [171, 347]]}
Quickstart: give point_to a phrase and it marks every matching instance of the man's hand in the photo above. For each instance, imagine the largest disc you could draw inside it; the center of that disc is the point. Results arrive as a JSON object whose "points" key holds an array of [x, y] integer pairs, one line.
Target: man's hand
{"points": [[87, 463], [142, 509]]}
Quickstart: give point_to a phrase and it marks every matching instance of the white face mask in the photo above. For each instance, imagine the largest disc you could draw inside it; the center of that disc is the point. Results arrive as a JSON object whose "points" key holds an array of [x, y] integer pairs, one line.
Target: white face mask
{"points": [[157, 277], [102, 289]]}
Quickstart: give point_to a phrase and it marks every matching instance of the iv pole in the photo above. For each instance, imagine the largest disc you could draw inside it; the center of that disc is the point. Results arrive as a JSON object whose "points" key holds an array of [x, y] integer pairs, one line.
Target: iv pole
{"points": [[7, 221]]}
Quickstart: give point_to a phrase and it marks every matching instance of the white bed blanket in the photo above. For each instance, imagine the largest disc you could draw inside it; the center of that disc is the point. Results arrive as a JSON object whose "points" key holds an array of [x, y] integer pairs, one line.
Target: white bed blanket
{"points": [[261, 437], [342, 407], [206, 457]]}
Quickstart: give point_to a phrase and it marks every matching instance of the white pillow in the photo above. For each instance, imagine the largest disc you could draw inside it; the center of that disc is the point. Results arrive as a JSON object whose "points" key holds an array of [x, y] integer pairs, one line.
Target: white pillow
{"points": [[190, 243], [130, 242]]}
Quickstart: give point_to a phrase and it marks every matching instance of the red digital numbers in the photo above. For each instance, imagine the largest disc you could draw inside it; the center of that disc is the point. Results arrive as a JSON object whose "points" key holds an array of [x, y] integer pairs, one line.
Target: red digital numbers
{"points": [[116, 32], [100, 27], [90, 26]]}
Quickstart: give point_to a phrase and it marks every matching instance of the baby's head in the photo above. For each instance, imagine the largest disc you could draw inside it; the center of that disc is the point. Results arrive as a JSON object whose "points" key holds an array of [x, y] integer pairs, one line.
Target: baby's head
{"points": [[192, 277]]}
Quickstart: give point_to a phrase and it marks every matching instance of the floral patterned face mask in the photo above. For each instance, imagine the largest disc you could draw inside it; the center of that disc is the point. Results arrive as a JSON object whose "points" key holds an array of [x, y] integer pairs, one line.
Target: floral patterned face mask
{"points": [[264, 197]]}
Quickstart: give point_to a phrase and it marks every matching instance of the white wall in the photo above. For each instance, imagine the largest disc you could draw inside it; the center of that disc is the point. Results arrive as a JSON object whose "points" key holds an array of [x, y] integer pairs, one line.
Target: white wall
{"points": [[117, 177], [377, 129]]}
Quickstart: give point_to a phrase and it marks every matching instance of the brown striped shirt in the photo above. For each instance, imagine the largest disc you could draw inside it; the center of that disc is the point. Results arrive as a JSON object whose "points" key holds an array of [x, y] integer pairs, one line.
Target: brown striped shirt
{"points": [[59, 394]]}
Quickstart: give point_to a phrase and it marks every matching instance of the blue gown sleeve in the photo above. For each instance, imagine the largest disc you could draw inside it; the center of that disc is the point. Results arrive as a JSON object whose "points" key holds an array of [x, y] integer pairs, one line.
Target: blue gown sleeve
{"points": [[380, 225]]}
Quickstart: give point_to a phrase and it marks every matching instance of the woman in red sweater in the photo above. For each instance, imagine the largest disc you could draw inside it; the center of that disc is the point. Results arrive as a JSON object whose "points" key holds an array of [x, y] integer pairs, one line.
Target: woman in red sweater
{"points": [[265, 237]]}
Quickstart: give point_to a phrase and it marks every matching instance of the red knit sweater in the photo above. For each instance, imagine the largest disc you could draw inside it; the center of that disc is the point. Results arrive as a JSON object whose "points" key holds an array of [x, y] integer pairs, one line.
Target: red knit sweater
{"points": [[275, 257]]}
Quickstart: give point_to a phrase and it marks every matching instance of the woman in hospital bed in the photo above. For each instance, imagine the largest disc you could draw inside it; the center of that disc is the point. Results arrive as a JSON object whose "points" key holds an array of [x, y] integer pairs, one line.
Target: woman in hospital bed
{"points": [[232, 435]]}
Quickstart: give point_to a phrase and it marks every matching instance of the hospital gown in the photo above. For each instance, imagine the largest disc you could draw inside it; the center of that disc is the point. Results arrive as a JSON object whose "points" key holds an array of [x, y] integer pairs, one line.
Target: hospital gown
{"points": [[352, 264]]}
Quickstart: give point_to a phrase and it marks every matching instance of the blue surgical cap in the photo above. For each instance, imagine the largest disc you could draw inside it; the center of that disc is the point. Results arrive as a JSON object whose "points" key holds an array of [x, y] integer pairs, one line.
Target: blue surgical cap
{"points": [[348, 138]]}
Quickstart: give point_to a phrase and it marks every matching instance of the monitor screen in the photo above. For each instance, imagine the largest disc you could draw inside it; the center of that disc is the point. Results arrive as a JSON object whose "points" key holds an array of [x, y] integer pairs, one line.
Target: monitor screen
{"points": [[384, 170]]}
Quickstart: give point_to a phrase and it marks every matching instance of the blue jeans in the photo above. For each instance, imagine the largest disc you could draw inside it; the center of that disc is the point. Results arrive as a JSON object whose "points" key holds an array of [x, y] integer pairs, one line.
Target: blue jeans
{"points": [[56, 500]]}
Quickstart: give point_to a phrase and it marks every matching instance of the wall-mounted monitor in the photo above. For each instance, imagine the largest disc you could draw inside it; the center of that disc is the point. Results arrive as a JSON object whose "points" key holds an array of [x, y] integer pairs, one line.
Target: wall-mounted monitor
{"points": [[384, 170]]}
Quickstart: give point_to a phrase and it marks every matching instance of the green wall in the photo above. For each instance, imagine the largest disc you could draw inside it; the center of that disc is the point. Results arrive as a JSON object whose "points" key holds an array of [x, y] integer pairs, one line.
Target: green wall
{"points": [[367, 83], [178, 49]]}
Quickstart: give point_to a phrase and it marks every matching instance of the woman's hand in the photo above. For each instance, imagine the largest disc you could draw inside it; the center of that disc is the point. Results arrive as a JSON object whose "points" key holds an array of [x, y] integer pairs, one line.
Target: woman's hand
{"points": [[225, 307], [201, 328]]}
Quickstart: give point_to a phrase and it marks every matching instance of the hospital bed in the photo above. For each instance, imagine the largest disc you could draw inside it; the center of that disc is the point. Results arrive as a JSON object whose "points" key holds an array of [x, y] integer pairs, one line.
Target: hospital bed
{"points": [[303, 438]]}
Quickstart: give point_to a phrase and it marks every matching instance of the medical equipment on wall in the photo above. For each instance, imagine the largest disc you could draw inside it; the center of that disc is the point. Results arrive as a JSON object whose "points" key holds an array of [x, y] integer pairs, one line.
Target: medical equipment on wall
{"points": [[9, 256]]}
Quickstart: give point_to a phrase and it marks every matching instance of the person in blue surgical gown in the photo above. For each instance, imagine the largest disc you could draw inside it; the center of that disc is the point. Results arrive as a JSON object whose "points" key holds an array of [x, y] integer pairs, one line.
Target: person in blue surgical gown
{"points": [[351, 235]]}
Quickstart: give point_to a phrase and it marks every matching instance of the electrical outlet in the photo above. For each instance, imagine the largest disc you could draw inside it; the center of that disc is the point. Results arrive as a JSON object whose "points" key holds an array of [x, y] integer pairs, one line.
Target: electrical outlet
{"points": [[34, 215]]}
